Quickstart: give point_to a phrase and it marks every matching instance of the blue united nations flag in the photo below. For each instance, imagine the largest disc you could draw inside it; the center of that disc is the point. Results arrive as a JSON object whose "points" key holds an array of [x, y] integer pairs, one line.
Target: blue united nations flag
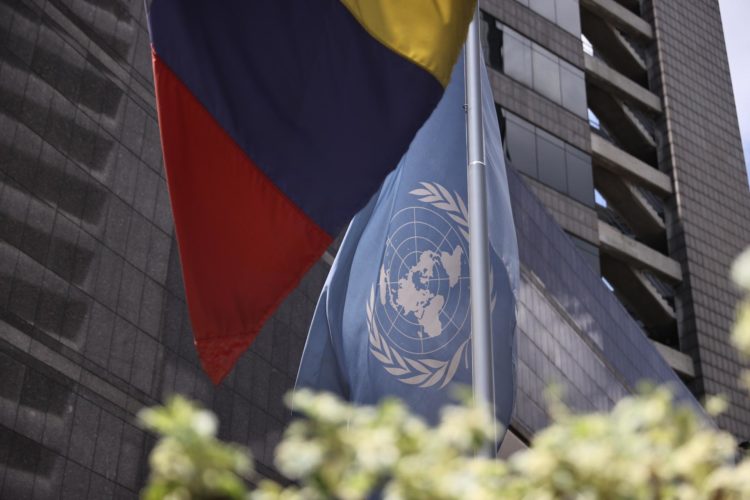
{"points": [[394, 318]]}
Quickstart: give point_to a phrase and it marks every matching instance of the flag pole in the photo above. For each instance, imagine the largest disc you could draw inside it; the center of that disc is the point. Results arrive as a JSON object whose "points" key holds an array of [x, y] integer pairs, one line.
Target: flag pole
{"points": [[478, 240]]}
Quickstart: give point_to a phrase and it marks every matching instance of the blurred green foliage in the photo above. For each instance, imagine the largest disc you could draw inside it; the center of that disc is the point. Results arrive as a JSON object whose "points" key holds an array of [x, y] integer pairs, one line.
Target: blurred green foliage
{"points": [[189, 462], [741, 330], [647, 447]]}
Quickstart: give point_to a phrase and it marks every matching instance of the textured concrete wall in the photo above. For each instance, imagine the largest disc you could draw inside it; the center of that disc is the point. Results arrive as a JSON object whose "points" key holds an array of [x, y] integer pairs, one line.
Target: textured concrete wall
{"points": [[710, 214], [93, 323], [86, 238]]}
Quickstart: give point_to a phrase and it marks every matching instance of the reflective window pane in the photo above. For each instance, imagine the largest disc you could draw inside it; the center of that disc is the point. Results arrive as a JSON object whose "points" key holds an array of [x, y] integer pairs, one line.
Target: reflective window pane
{"points": [[544, 7], [580, 177], [564, 13], [568, 16], [533, 65], [573, 86], [547, 159], [589, 252], [551, 161], [520, 143], [546, 73], [517, 56]]}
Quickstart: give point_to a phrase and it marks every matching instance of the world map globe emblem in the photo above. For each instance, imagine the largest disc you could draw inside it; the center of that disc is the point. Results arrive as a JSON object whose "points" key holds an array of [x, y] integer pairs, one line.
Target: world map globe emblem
{"points": [[422, 302]]}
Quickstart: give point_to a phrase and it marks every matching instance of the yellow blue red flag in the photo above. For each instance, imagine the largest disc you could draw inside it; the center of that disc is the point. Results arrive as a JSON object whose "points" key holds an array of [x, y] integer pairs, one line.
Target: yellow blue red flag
{"points": [[279, 120]]}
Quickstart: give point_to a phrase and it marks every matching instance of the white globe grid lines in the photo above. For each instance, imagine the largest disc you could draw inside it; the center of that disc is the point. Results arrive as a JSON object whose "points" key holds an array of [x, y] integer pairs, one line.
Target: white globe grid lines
{"points": [[412, 259], [416, 317]]}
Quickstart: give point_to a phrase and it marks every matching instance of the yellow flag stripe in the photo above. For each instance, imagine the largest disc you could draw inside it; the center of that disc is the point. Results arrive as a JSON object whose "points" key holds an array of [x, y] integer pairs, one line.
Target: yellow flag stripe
{"points": [[430, 33]]}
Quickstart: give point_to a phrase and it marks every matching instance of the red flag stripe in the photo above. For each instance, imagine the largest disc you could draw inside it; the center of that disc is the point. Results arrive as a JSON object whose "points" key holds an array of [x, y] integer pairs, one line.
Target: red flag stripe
{"points": [[236, 271]]}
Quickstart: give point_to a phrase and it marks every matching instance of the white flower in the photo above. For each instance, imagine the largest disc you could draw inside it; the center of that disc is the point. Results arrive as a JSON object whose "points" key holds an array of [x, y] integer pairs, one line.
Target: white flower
{"points": [[204, 423], [741, 270]]}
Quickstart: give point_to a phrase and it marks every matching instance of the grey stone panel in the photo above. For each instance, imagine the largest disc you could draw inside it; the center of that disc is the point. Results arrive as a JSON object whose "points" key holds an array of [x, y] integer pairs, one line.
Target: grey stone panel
{"points": [[91, 305], [701, 144]]}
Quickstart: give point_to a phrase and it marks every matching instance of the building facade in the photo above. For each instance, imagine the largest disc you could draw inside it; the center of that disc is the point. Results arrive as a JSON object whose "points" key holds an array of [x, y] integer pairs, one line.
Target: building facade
{"points": [[635, 99], [93, 321]]}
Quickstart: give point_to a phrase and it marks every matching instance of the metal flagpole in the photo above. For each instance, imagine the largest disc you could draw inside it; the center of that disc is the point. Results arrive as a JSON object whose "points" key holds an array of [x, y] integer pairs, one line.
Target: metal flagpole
{"points": [[479, 267]]}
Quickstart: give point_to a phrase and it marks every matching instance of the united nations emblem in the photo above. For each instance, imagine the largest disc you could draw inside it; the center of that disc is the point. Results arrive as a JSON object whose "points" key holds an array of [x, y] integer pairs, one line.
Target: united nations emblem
{"points": [[418, 311]]}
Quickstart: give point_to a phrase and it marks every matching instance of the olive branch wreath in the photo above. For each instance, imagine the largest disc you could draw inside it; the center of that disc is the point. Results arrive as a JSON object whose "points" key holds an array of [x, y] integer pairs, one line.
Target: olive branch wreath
{"points": [[423, 372]]}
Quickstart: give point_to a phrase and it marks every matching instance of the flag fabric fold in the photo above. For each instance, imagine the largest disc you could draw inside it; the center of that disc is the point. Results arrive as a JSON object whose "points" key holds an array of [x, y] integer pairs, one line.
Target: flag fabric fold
{"points": [[278, 121], [393, 318]]}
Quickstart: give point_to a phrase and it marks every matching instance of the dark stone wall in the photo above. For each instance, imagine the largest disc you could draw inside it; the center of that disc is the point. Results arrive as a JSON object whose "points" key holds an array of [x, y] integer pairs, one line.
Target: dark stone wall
{"points": [[709, 221], [93, 322]]}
